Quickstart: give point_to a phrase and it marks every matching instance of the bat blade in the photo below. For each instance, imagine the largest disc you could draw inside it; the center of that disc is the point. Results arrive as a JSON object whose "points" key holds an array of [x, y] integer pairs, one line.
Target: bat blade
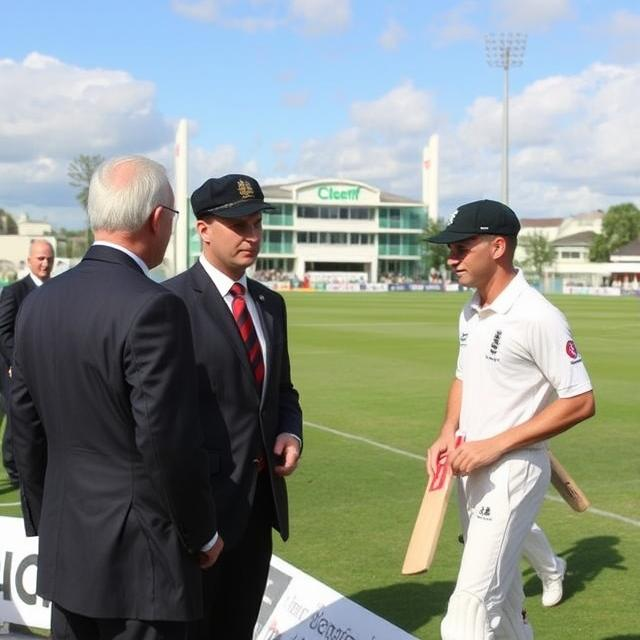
{"points": [[426, 531], [567, 487]]}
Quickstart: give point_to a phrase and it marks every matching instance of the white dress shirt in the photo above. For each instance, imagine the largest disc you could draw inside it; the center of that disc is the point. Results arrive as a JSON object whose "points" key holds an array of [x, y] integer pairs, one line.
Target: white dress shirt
{"points": [[138, 260], [223, 284]]}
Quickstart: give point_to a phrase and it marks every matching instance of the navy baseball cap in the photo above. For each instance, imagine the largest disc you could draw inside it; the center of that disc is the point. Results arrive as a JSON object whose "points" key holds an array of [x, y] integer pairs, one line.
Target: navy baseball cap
{"points": [[230, 196], [482, 217]]}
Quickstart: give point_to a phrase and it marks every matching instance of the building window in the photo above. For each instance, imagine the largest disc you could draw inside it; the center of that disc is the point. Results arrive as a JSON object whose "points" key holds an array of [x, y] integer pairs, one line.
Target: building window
{"points": [[308, 212], [281, 216], [335, 213]]}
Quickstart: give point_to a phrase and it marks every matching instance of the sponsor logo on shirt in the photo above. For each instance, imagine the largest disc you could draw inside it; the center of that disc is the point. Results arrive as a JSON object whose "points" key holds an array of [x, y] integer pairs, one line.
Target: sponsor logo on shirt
{"points": [[493, 348], [463, 338], [484, 513], [572, 352]]}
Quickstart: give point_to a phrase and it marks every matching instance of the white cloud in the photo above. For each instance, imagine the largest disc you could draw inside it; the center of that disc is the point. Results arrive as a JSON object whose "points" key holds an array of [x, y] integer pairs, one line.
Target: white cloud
{"points": [[624, 31], [531, 14], [322, 16], [392, 36], [573, 144], [222, 159], [58, 111], [313, 17], [456, 25], [295, 99], [383, 145], [403, 110], [201, 10]]}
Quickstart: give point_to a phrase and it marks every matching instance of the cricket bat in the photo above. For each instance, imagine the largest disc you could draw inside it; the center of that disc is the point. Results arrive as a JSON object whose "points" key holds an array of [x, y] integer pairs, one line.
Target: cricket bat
{"points": [[426, 531], [567, 487]]}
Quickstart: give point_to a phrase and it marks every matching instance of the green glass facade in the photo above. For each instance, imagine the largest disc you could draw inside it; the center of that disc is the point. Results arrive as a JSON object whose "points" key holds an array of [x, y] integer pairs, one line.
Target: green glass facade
{"points": [[398, 244], [402, 218], [274, 241], [281, 216]]}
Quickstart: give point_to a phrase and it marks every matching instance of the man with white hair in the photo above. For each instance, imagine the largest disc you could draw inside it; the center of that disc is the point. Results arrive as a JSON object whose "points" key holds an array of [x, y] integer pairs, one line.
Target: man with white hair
{"points": [[40, 263], [113, 474]]}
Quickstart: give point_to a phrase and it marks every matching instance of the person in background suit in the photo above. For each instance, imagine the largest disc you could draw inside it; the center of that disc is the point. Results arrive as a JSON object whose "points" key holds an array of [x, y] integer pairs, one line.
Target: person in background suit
{"points": [[240, 337], [113, 474], [40, 262]]}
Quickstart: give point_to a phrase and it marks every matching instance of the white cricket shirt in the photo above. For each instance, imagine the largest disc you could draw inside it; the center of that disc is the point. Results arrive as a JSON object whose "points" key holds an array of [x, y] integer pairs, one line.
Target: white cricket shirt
{"points": [[517, 355]]}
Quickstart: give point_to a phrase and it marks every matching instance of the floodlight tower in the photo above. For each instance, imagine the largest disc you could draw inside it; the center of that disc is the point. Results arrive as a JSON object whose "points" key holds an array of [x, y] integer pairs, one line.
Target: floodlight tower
{"points": [[505, 50]]}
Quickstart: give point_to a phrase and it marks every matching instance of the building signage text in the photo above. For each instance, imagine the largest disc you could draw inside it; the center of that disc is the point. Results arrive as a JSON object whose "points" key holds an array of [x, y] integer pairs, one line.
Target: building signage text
{"points": [[338, 193]]}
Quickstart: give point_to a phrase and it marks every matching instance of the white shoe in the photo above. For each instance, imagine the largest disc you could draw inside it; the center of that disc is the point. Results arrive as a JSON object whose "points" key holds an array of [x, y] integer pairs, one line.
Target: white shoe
{"points": [[552, 587]]}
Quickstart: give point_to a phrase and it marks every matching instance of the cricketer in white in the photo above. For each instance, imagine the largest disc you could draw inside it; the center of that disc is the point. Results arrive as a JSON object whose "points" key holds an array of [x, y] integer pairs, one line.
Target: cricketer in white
{"points": [[519, 380]]}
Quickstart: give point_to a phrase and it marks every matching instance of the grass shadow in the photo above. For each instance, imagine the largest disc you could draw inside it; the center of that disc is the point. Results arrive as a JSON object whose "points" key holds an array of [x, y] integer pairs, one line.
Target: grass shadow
{"points": [[7, 487], [408, 605], [585, 560]]}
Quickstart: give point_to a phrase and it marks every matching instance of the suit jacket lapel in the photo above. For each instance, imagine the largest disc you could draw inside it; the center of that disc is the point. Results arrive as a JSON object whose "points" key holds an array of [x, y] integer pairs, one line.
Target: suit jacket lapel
{"points": [[29, 283], [217, 308]]}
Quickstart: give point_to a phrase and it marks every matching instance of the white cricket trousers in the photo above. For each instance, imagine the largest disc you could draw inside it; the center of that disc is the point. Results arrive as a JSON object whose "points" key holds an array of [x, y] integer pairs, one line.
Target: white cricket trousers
{"points": [[498, 505], [539, 554]]}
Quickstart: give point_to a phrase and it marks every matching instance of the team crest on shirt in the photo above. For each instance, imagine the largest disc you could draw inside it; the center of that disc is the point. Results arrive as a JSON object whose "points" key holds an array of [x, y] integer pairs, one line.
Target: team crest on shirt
{"points": [[493, 348], [463, 338]]}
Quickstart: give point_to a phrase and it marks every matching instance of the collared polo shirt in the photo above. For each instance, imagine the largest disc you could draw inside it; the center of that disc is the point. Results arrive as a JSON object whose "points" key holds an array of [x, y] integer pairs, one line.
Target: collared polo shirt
{"points": [[516, 356]]}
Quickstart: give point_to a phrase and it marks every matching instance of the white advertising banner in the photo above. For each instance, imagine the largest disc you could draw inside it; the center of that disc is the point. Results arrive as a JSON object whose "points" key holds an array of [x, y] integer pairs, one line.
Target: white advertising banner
{"points": [[18, 567], [591, 291], [299, 607], [295, 605]]}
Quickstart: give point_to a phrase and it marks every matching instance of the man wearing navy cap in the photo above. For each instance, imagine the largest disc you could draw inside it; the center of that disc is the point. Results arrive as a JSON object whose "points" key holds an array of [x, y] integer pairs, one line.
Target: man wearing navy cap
{"points": [[240, 336], [519, 380]]}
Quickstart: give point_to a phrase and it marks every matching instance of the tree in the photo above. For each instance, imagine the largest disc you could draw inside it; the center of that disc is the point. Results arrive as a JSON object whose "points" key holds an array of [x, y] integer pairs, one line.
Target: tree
{"points": [[539, 253], [435, 255], [80, 170], [8, 224], [620, 225]]}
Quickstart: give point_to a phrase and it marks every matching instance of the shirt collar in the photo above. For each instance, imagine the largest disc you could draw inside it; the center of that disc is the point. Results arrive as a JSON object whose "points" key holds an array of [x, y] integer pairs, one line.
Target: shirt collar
{"points": [[138, 260], [222, 281], [36, 280], [505, 300]]}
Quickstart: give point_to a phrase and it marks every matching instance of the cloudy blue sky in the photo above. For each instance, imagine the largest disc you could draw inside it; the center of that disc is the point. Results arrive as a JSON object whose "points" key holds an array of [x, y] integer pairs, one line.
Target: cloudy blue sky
{"points": [[287, 89]]}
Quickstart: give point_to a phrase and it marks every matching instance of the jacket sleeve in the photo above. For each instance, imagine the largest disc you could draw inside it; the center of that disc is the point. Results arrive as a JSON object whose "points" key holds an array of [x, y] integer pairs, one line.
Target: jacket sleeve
{"points": [[29, 445], [8, 310], [290, 413], [160, 368]]}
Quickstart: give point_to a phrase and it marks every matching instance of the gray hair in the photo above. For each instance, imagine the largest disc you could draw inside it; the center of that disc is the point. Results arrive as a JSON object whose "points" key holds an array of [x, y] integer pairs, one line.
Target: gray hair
{"points": [[122, 197]]}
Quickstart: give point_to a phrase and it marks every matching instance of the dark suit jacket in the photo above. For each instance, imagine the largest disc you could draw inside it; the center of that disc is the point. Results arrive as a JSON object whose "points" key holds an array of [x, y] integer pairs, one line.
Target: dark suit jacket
{"points": [[10, 300], [228, 396], [108, 443]]}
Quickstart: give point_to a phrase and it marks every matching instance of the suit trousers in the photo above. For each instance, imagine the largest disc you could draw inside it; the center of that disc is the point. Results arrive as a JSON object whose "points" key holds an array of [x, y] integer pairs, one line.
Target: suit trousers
{"points": [[66, 625], [234, 586], [8, 459]]}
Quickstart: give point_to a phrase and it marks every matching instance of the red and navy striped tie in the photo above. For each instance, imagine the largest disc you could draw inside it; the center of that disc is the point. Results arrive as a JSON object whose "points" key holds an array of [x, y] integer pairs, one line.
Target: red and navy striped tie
{"points": [[247, 332]]}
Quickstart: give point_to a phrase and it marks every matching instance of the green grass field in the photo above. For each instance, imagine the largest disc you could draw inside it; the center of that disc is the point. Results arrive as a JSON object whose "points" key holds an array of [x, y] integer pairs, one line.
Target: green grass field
{"points": [[378, 366]]}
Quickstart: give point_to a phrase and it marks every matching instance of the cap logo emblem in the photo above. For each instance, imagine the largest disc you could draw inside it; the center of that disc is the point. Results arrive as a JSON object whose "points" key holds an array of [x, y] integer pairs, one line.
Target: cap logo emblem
{"points": [[452, 217], [245, 189]]}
